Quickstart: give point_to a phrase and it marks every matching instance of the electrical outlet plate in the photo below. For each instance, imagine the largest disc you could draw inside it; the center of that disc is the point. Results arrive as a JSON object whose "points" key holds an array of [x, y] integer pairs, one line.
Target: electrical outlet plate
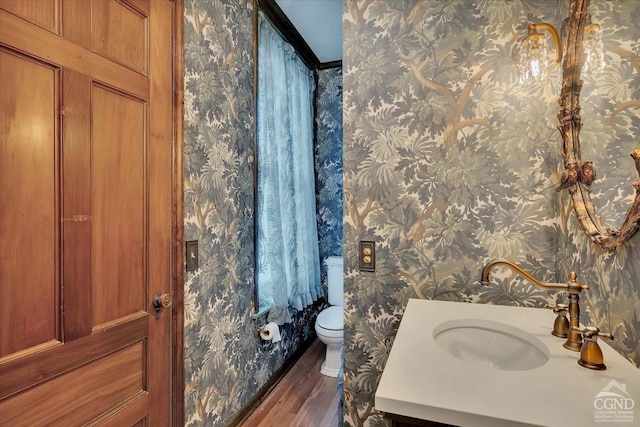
{"points": [[367, 255]]}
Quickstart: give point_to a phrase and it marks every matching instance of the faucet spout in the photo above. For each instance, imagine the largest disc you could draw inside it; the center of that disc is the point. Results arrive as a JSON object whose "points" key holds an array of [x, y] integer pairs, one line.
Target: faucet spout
{"points": [[573, 288], [539, 283]]}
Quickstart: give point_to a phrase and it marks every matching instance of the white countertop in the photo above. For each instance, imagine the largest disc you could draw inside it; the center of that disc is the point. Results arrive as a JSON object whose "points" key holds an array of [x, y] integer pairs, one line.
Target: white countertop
{"points": [[421, 380]]}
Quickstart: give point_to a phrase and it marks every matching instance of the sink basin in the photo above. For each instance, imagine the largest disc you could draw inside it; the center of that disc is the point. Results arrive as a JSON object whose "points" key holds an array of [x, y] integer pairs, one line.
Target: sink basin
{"points": [[428, 381], [492, 343]]}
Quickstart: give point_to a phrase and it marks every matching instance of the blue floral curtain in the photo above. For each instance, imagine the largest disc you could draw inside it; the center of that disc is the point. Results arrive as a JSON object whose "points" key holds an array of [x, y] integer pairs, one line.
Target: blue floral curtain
{"points": [[288, 266]]}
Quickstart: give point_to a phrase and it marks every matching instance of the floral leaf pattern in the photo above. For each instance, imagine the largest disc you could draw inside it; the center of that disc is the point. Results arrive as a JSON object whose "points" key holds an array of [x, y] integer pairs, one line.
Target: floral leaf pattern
{"points": [[328, 163], [226, 363], [449, 163]]}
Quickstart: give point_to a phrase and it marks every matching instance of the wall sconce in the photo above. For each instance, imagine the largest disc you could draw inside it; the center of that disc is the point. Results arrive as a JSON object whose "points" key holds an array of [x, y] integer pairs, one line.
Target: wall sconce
{"points": [[593, 49], [533, 53], [582, 51], [533, 56]]}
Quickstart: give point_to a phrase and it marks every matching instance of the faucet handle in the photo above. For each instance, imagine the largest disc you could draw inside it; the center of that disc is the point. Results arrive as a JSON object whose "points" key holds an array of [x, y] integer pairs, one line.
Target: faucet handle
{"points": [[590, 353], [558, 309], [561, 324], [592, 333]]}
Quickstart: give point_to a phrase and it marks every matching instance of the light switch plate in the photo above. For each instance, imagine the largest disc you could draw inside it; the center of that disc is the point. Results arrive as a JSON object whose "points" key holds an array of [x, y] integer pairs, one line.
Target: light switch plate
{"points": [[191, 255], [367, 255]]}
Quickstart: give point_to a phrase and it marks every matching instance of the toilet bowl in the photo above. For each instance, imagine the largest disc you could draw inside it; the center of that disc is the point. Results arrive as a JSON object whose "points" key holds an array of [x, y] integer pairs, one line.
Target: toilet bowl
{"points": [[330, 321]]}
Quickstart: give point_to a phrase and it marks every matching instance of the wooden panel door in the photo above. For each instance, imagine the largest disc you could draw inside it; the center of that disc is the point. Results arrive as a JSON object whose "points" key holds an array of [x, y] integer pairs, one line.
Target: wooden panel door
{"points": [[86, 202]]}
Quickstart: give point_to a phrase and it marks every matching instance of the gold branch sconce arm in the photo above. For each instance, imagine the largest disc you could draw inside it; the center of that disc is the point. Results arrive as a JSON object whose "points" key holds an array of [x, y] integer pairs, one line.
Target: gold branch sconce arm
{"points": [[582, 51]]}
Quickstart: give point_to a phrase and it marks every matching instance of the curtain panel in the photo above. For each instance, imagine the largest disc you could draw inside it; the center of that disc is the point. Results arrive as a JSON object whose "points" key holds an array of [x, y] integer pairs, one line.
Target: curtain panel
{"points": [[288, 262]]}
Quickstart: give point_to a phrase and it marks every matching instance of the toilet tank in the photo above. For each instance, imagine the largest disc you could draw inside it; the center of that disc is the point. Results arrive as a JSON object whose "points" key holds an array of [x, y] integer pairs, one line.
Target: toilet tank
{"points": [[335, 279]]}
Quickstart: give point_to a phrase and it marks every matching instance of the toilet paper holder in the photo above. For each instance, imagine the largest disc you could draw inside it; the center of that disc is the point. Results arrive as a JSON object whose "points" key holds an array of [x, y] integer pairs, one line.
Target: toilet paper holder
{"points": [[269, 332]]}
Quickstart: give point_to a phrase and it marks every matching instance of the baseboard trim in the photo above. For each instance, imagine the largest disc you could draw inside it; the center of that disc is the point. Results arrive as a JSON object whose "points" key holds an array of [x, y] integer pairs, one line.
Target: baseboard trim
{"points": [[259, 397]]}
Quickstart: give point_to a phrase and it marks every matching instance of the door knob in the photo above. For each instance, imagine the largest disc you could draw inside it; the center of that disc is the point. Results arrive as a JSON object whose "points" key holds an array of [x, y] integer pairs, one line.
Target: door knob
{"points": [[161, 301]]}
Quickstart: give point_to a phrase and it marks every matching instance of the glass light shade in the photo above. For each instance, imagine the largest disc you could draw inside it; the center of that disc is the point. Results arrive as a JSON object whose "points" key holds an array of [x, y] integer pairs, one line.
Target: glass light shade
{"points": [[593, 49], [533, 58]]}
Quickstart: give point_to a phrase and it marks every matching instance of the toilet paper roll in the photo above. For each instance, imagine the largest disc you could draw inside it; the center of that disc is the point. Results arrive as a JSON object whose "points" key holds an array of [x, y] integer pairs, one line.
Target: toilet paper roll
{"points": [[270, 332]]}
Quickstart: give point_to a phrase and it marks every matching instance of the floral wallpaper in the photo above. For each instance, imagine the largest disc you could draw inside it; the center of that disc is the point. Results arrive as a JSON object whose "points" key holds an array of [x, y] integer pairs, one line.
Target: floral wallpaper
{"points": [[226, 363], [328, 166], [449, 163]]}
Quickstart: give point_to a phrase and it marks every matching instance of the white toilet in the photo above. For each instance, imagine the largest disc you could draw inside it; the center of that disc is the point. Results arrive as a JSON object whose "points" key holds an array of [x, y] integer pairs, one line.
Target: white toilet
{"points": [[330, 321]]}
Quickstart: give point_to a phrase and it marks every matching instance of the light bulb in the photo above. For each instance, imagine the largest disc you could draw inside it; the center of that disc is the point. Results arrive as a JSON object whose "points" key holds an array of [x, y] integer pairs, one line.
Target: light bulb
{"points": [[533, 58], [593, 49]]}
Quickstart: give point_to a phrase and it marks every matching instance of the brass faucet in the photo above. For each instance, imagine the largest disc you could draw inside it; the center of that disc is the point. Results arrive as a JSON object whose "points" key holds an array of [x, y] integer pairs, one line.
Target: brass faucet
{"points": [[574, 337]]}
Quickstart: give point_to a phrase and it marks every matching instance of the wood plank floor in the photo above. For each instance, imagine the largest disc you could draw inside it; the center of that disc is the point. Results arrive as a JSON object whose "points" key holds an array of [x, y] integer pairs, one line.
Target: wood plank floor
{"points": [[303, 398]]}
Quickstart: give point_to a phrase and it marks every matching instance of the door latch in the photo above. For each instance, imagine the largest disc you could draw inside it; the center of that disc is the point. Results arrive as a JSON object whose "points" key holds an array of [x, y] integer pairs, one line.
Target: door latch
{"points": [[161, 301]]}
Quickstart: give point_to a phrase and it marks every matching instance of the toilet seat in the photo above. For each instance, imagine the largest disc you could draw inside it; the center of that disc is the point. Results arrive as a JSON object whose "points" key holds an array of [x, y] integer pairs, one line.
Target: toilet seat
{"points": [[330, 322]]}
